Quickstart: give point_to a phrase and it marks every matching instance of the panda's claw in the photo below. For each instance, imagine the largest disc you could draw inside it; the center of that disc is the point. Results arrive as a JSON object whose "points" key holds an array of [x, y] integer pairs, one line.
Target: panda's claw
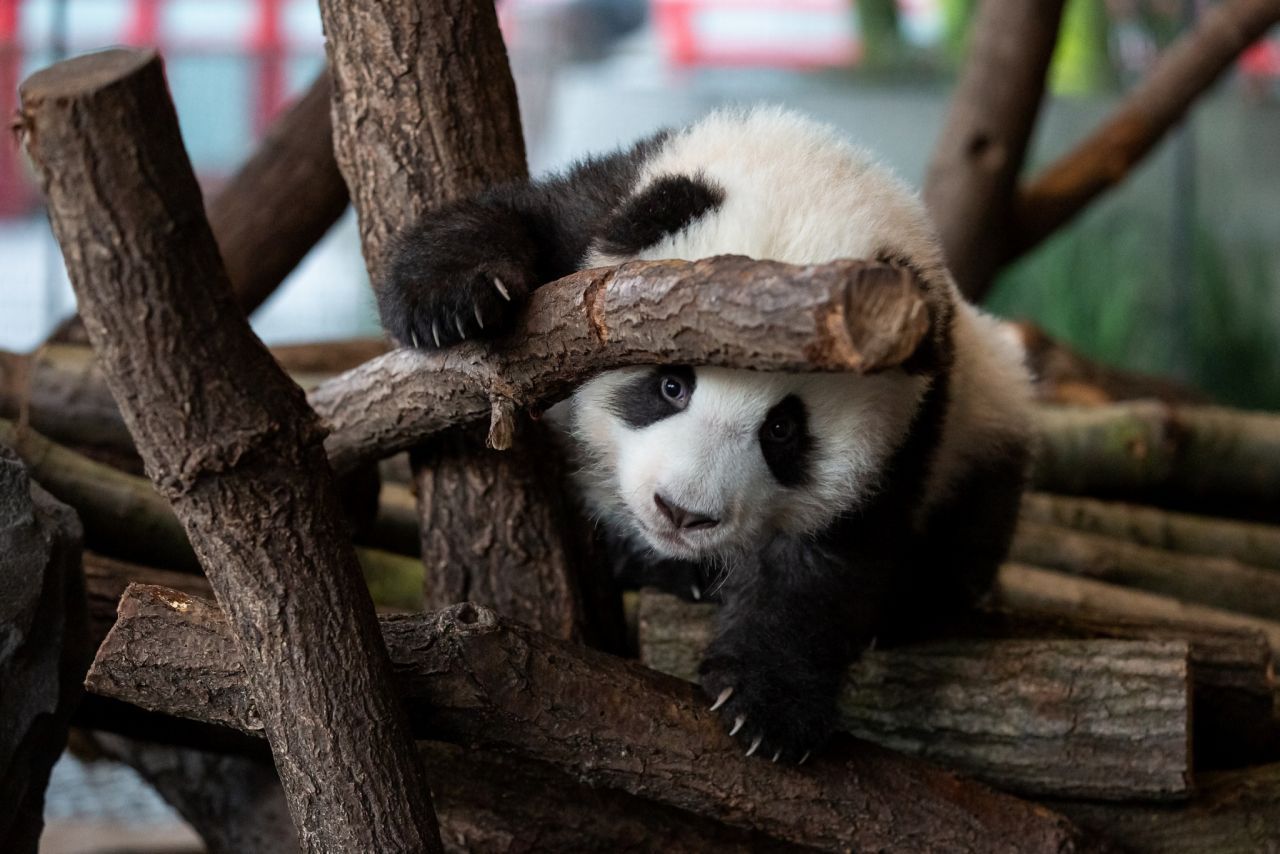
{"points": [[723, 698], [755, 745], [435, 332], [696, 591], [737, 724], [776, 755], [502, 289], [804, 759], [457, 324], [479, 317], [413, 337]]}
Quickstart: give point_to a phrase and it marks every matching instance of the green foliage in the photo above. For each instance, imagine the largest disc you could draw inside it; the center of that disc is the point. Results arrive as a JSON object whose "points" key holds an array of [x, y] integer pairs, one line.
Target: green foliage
{"points": [[1102, 287]]}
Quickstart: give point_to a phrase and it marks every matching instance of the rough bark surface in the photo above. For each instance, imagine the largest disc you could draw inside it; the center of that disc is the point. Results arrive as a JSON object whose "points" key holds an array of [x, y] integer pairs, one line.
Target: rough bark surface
{"points": [[424, 113], [1025, 588], [1222, 460], [229, 440], [474, 678], [1247, 542], [1093, 718], [43, 646], [1106, 157], [281, 201], [1214, 581], [729, 311], [973, 174], [1234, 812]]}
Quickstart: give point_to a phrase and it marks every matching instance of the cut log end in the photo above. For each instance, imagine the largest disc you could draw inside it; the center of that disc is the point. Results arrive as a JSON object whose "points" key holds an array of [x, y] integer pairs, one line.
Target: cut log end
{"points": [[86, 74], [884, 317]]}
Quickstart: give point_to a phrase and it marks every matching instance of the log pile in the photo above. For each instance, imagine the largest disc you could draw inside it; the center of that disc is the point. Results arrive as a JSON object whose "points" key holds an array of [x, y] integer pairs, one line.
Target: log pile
{"points": [[1117, 688]]}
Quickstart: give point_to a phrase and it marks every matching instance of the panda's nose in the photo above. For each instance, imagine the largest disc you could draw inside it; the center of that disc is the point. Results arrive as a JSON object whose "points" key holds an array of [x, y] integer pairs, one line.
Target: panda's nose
{"points": [[682, 518]]}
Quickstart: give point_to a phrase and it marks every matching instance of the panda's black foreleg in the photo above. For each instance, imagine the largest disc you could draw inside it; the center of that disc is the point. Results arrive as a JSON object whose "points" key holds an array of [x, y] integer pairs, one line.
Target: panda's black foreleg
{"points": [[787, 631], [463, 270]]}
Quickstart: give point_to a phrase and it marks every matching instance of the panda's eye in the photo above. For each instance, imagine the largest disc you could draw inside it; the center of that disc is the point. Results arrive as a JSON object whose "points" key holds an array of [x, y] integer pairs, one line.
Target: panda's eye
{"points": [[780, 429], [674, 390]]}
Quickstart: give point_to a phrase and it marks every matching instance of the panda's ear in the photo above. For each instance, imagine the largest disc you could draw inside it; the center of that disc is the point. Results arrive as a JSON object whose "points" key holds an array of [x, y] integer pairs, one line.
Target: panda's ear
{"points": [[666, 206]]}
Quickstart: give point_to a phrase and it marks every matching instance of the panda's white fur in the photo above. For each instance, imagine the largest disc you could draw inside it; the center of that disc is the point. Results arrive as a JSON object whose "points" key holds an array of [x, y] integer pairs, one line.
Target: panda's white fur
{"points": [[890, 508], [794, 192]]}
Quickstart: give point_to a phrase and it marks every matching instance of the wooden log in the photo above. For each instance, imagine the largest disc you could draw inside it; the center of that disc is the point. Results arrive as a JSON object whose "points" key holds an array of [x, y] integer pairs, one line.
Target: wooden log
{"points": [[475, 678], [973, 174], [43, 646], [1149, 110], [1233, 694], [1025, 588], [1094, 718], [1223, 460], [728, 311], [281, 201], [1218, 582], [415, 131], [1066, 377], [1234, 812], [234, 803], [229, 440], [125, 517], [1247, 542]]}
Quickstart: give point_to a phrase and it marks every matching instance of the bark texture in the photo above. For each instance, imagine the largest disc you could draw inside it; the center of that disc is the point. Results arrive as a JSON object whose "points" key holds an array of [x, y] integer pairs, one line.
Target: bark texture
{"points": [[1214, 581], [281, 201], [973, 175], [1225, 461], [43, 646], [229, 440], [1153, 107], [1025, 588], [729, 311], [477, 679], [425, 113], [1247, 542], [1093, 718], [1234, 812]]}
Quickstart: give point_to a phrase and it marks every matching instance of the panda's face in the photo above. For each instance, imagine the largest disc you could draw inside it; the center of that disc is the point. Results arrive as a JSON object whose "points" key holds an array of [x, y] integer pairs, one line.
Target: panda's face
{"points": [[706, 462]]}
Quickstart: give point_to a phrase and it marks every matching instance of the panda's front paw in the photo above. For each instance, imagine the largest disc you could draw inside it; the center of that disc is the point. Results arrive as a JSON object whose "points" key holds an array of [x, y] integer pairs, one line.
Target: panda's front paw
{"points": [[429, 305], [779, 713]]}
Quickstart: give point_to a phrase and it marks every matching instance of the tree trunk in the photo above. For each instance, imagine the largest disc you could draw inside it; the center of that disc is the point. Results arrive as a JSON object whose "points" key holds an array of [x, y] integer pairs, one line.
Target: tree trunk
{"points": [[229, 440], [474, 678]]}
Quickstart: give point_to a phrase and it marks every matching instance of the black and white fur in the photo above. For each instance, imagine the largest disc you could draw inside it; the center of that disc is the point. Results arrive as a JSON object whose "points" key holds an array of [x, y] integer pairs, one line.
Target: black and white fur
{"points": [[822, 510]]}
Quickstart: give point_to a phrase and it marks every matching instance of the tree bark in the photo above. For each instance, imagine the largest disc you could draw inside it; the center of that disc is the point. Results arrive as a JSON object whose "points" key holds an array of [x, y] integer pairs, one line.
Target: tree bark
{"points": [[425, 112], [728, 311], [1025, 588], [1106, 157], [1222, 460], [229, 440], [973, 175], [281, 201], [1247, 542], [477, 679], [1234, 812], [1213, 581], [43, 646], [1102, 719]]}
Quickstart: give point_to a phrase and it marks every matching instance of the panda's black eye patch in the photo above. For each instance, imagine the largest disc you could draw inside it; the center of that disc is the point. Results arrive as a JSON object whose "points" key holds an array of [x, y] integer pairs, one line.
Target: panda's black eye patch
{"points": [[786, 442], [653, 395]]}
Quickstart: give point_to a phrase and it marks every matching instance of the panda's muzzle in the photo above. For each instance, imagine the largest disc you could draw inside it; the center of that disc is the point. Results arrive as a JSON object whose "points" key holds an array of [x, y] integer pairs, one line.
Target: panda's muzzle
{"points": [[685, 520]]}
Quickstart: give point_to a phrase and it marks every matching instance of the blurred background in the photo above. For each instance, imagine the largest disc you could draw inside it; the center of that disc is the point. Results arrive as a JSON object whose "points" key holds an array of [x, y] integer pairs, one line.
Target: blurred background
{"points": [[1174, 273]]}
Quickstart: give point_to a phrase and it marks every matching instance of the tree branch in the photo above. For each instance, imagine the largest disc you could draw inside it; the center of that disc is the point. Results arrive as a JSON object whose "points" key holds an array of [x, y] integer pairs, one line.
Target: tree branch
{"points": [[477, 679], [228, 439], [1105, 158], [973, 174], [1102, 719], [728, 311]]}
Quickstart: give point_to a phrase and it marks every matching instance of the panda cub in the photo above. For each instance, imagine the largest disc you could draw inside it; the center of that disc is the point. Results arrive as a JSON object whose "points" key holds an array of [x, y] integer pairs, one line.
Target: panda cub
{"points": [[821, 510]]}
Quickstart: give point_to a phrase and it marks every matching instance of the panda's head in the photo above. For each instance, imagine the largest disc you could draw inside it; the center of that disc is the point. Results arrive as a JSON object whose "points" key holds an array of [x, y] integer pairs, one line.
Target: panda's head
{"points": [[705, 462]]}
